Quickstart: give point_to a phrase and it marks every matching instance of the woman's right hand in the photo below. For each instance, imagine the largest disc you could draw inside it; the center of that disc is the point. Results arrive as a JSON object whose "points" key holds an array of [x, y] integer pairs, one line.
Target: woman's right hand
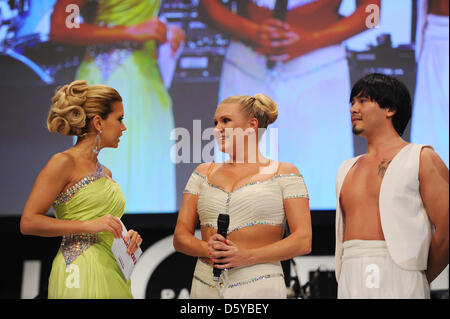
{"points": [[216, 243], [105, 223], [152, 29]]}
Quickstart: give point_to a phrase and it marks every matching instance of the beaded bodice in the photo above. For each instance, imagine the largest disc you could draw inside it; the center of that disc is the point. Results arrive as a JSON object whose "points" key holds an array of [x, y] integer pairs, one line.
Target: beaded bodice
{"points": [[69, 193], [91, 197], [94, 196], [249, 205]]}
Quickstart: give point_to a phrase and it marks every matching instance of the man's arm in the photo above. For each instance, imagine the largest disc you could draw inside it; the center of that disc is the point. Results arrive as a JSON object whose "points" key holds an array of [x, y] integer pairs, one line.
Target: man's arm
{"points": [[433, 178]]}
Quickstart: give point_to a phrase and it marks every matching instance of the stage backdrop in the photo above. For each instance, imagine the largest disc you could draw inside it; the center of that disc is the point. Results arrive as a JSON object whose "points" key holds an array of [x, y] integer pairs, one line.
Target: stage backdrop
{"points": [[166, 137]]}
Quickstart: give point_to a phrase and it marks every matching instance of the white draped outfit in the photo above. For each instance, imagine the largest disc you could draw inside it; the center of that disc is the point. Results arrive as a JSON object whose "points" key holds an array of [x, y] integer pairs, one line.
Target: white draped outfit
{"points": [[257, 203], [393, 268]]}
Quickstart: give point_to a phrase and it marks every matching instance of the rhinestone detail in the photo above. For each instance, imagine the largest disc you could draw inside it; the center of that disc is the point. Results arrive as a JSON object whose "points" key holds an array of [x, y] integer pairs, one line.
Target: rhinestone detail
{"points": [[204, 282], [109, 61], [250, 224], [296, 196], [252, 280], [74, 245], [67, 195], [242, 283], [249, 184]]}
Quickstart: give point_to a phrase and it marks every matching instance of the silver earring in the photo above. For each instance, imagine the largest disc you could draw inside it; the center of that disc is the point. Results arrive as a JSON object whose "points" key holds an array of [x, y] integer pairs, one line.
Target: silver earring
{"points": [[96, 147]]}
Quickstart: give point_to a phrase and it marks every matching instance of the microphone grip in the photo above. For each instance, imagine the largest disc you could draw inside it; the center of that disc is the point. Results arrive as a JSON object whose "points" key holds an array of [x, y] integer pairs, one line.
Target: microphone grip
{"points": [[222, 232], [223, 222], [217, 271]]}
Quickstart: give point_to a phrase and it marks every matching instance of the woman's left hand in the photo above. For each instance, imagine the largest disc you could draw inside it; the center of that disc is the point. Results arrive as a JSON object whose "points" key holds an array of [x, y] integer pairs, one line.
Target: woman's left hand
{"points": [[225, 254], [176, 37], [134, 240]]}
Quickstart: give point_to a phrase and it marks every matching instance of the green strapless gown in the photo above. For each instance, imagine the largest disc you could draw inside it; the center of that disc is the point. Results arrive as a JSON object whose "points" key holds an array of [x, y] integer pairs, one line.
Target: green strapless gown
{"points": [[85, 266]]}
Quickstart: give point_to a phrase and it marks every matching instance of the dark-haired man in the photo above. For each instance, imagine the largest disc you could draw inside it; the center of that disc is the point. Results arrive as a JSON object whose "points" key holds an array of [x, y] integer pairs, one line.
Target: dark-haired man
{"points": [[392, 202]]}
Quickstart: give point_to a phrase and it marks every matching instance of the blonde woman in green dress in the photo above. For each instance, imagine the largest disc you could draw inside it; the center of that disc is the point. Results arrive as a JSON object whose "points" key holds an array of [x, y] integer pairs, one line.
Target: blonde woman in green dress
{"points": [[122, 45], [86, 201]]}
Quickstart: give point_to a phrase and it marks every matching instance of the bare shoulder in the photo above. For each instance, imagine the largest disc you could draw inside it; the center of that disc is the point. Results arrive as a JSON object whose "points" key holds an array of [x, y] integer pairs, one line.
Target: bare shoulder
{"points": [[60, 163], [427, 153], [203, 168], [431, 163], [60, 167], [287, 168], [429, 157]]}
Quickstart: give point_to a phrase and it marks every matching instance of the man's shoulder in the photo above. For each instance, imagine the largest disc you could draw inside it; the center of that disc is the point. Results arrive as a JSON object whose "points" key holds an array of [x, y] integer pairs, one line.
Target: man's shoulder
{"points": [[343, 170], [348, 162]]}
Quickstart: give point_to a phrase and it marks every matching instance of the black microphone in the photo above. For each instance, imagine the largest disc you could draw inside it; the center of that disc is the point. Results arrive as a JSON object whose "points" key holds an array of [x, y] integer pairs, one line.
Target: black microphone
{"points": [[223, 221], [279, 14], [280, 10]]}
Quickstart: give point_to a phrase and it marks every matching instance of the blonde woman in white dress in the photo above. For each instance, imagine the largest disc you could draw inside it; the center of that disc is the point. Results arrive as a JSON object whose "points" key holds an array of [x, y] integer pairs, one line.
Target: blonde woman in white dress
{"points": [[258, 194]]}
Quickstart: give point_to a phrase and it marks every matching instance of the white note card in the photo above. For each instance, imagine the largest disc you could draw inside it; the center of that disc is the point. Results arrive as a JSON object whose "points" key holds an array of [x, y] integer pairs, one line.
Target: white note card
{"points": [[125, 261]]}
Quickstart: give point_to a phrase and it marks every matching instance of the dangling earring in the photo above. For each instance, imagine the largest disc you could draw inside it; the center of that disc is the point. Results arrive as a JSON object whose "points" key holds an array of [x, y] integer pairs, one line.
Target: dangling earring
{"points": [[96, 147]]}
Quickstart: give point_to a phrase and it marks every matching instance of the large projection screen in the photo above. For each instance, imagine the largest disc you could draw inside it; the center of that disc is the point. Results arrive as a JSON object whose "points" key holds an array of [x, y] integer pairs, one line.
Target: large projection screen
{"points": [[170, 99]]}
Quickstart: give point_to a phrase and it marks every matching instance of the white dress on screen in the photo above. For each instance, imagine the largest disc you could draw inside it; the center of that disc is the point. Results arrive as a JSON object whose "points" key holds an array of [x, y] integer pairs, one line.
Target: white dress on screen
{"points": [[302, 89]]}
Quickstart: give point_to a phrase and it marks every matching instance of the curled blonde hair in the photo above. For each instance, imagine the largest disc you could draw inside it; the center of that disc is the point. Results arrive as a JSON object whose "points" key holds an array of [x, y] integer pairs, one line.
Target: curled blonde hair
{"points": [[75, 104], [260, 106]]}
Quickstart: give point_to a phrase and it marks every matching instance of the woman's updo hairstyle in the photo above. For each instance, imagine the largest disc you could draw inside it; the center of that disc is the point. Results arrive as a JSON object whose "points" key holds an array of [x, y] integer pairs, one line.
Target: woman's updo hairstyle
{"points": [[260, 106], [75, 104]]}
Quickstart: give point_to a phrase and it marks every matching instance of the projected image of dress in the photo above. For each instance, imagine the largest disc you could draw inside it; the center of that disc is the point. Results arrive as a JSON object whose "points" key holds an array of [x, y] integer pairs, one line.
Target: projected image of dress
{"points": [[308, 77], [431, 102], [142, 164]]}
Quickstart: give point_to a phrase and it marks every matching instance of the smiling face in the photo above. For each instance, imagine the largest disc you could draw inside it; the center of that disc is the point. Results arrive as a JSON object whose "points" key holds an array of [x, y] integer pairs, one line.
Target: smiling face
{"points": [[367, 116], [232, 127], [113, 126]]}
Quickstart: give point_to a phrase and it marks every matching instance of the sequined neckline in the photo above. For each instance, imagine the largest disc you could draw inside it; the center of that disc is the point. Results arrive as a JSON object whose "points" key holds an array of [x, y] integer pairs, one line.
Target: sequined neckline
{"points": [[248, 184], [69, 193]]}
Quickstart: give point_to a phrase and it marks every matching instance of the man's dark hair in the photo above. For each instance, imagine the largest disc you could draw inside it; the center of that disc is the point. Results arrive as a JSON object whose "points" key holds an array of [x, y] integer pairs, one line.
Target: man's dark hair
{"points": [[389, 93]]}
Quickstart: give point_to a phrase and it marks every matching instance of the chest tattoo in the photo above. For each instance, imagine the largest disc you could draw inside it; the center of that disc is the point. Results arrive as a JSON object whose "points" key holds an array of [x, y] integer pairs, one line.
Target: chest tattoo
{"points": [[382, 167]]}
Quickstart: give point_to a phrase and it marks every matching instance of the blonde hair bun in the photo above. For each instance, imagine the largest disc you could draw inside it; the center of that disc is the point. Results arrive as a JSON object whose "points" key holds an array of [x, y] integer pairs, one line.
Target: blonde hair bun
{"points": [[75, 104], [267, 106], [66, 115], [259, 106]]}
